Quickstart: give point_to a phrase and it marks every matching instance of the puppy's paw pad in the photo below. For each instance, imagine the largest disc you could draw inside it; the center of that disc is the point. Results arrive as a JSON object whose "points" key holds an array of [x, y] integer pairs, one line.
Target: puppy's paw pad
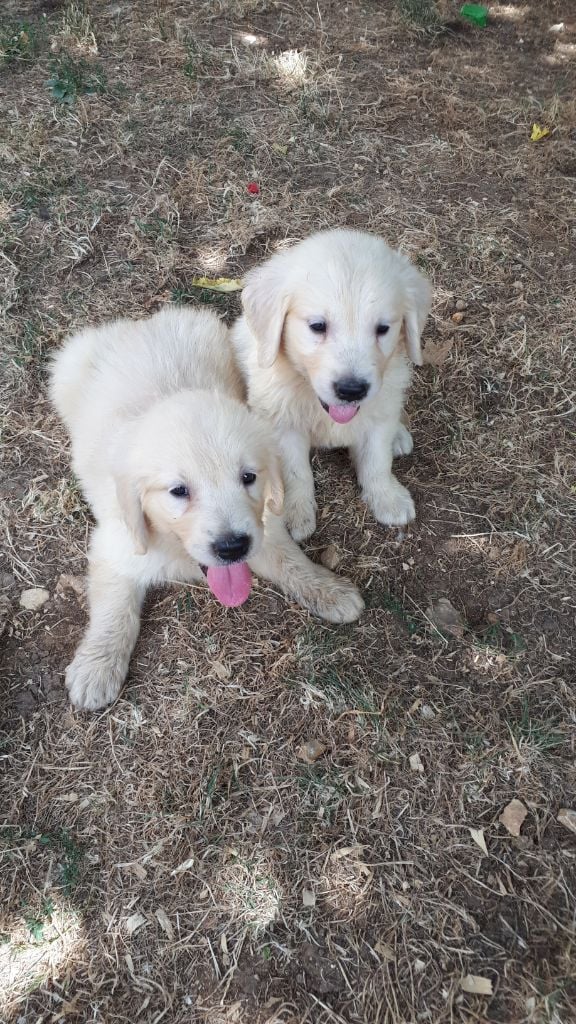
{"points": [[91, 684], [393, 506], [402, 443], [300, 518], [339, 601]]}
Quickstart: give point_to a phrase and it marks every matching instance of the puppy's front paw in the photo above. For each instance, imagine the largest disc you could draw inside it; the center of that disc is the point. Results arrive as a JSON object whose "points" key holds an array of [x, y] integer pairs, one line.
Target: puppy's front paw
{"points": [[93, 682], [300, 515], [402, 443], [336, 599], [392, 504]]}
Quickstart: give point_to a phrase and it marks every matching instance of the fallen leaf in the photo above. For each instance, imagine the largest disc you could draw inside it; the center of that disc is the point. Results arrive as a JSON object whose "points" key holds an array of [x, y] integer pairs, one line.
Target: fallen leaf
{"points": [[331, 557], [384, 950], [437, 354], [445, 617], [282, 150], [538, 133], [457, 318], [139, 871], [477, 985], [416, 763], [218, 284], [310, 751], [478, 837], [567, 818], [221, 670], [308, 898], [134, 922], [164, 922], [513, 816], [34, 598], [184, 866], [68, 798], [346, 851]]}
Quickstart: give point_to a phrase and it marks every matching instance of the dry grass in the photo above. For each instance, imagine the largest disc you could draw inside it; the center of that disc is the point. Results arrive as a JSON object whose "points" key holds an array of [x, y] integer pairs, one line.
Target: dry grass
{"points": [[155, 856]]}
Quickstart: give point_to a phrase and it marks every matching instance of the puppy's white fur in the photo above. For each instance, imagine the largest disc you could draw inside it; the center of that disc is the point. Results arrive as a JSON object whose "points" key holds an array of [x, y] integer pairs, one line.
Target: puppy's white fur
{"points": [[353, 282], [151, 405]]}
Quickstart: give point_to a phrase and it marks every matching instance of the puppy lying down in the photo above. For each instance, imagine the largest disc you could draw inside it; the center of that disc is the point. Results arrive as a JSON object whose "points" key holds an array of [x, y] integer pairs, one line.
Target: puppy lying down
{"points": [[328, 329], [182, 479]]}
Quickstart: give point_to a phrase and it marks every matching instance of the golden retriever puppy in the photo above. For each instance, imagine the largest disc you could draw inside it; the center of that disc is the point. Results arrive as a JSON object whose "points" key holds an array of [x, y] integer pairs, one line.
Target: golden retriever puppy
{"points": [[328, 329], [182, 479]]}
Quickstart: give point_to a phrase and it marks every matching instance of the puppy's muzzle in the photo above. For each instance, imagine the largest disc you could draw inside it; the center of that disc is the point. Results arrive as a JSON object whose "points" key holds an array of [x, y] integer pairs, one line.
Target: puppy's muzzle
{"points": [[232, 548], [350, 389]]}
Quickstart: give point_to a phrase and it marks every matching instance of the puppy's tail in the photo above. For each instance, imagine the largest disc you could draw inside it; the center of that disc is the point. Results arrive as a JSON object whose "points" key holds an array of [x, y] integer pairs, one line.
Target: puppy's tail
{"points": [[69, 372]]}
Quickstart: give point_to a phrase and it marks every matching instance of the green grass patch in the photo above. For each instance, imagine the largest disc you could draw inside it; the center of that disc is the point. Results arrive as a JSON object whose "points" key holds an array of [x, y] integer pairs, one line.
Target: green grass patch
{"points": [[73, 78]]}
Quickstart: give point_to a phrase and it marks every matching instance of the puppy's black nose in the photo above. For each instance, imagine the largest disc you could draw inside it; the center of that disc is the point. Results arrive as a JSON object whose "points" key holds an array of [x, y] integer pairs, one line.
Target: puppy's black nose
{"points": [[351, 390], [233, 547]]}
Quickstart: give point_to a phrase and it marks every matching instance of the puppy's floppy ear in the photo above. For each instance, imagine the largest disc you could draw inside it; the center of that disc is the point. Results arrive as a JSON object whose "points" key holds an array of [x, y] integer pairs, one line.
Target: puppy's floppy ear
{"points": [[265, 303], [132, 513], [418, 292], [274, 487]]}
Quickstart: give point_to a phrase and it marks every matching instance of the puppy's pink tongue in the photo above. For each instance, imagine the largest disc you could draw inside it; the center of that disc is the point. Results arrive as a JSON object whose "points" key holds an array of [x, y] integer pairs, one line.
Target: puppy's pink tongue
{"points": [[342, 413], [231, 584]]}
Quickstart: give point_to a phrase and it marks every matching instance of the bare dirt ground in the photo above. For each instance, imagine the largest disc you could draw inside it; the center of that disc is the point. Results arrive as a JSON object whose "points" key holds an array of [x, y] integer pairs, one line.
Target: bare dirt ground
{"points": [[176, 858]]}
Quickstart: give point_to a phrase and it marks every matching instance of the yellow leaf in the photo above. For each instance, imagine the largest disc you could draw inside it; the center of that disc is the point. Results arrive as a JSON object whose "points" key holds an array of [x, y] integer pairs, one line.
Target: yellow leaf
{"points": [[538, 132], [282, 150], [218, 284]]}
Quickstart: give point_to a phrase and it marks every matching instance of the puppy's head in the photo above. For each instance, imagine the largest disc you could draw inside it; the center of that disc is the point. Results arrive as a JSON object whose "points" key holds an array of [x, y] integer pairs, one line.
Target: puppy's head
{"points": [[339, 304], [199, 466]]}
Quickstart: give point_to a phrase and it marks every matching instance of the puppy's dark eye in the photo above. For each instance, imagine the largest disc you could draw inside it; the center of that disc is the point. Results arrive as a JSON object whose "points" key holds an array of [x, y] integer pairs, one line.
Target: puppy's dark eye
{"points": [[318, 326], [248, 478], [181, 491], [382, 329]]}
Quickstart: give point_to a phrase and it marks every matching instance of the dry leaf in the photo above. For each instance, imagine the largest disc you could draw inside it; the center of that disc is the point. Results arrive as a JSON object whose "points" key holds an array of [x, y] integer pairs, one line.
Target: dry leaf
{"points": [[68, 798], [221, 670], [477, 985], [416, 763], [331, 557], [282, 150], [478, 837], [347, 851], [457, 318], [567, 818], [437, 354], [384, 950], [310, 751], [445, 617], [308, 898], [513, 816], [139, 871], [164, 922], [218, 284], [134, 922], [34, 598], [184, 866]]}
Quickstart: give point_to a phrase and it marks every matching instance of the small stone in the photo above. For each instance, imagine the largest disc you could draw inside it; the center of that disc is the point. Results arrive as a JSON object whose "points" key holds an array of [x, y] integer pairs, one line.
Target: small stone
{"points": [[34, 598], [461, 304], [457, 318], [416, 763], [331, 557]]}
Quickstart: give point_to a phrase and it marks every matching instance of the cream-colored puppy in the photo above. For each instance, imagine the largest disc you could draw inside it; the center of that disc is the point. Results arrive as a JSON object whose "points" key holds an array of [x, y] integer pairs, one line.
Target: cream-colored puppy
{"points": [[324, 342], [183, 481]]}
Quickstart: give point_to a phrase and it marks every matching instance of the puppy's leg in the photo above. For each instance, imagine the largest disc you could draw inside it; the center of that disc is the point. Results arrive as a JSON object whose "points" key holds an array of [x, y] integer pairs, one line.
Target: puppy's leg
{"points": [[281, 561], [402, 443], [389, 501], [95, 676], [299, 500]]}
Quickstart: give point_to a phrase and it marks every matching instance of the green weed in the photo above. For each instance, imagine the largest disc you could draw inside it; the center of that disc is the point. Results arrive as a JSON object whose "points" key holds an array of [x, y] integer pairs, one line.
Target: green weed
{"points": [[72, 78]]}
